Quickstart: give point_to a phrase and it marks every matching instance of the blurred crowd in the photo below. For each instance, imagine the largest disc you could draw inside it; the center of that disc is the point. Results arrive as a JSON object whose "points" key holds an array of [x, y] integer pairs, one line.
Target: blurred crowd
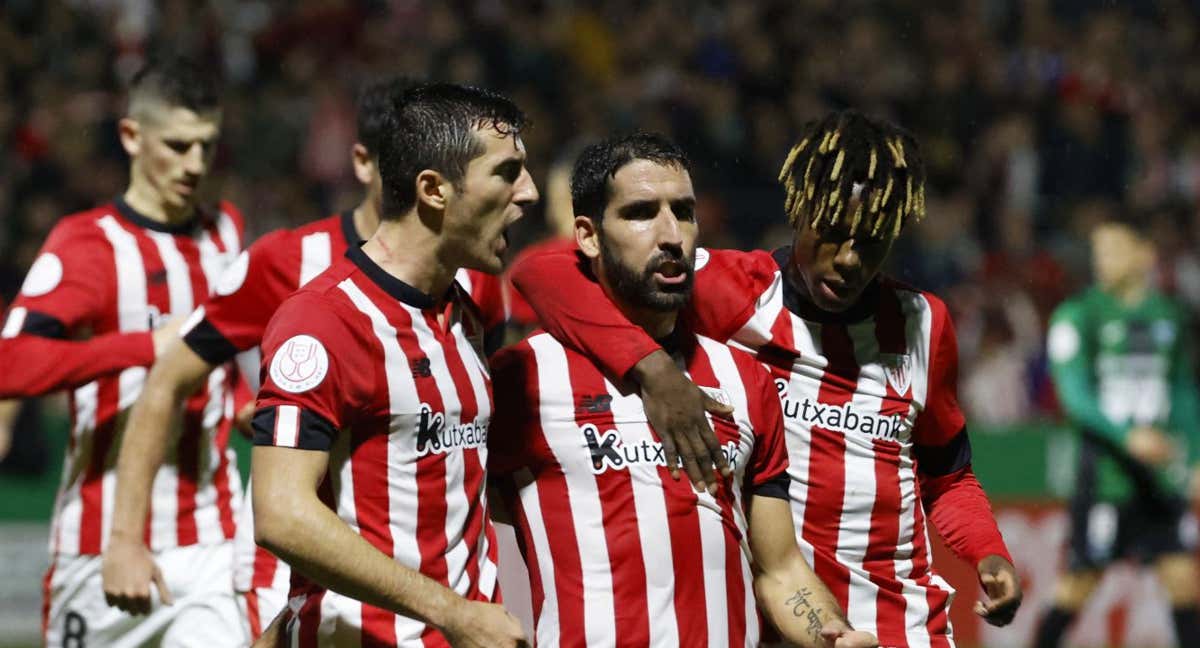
{"points": [[1035, 117]]}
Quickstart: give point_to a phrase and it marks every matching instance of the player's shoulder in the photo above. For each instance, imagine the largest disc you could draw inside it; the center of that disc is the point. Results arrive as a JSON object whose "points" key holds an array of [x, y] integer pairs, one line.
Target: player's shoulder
{"points": [[516, 356], [232, 212], [758, 264], [913, 301], [329, 225], [748, 367], [1075, 309], [320, 297], [82, 224]]}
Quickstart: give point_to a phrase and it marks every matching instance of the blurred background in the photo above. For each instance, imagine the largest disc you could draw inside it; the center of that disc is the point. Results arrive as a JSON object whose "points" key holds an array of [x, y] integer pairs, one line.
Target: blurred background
{"points": [[1036, 118]]}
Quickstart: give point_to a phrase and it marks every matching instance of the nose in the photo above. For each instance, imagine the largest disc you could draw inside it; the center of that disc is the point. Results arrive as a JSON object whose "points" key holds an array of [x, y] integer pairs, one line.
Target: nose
{"points": [[194, 161], [670, 235], [847, 257], [525, 191]]}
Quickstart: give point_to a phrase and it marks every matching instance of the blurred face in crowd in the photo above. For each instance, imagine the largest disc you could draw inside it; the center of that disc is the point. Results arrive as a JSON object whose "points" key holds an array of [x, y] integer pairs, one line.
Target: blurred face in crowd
{"points": [[1121, 258], [834, 267], [171, 151], [493, 194], [645, 244]]}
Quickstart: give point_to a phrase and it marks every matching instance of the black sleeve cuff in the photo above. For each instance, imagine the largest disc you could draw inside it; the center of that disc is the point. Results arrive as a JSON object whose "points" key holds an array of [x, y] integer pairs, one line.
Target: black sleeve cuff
{"points": [[208, 343], [937, 461], [308, 431], [43, 325], [776, 487]]}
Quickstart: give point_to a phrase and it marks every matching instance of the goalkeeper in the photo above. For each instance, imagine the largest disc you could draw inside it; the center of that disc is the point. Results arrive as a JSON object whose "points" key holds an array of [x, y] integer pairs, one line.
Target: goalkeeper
{"points": [[1122, 366]]}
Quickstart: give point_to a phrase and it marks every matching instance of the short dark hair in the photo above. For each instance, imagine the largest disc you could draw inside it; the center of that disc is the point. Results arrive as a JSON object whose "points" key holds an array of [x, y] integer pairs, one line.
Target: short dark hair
{"points": [[176, 82], [847, 152], [376, 102], [598, 165], [432, 126]]}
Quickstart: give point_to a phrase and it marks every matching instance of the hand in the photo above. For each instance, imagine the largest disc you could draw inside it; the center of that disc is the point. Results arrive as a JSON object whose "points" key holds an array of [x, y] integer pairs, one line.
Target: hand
{"points": [[1149, 445], [675, 407], [837, 634], [165, 334], [127, 570], [484, 625], [1003, 588], [243, 419]]}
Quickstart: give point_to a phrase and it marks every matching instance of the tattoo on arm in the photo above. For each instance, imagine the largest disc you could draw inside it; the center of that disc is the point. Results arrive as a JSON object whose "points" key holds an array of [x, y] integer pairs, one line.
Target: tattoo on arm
{"points": [[803, 608]]}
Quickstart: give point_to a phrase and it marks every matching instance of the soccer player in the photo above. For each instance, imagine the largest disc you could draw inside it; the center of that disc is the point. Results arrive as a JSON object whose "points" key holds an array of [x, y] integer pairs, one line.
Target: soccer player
{"points": [[233, 321], [620, 555], [1120, 356], [116, 273], [865, 369], [371, 433]]}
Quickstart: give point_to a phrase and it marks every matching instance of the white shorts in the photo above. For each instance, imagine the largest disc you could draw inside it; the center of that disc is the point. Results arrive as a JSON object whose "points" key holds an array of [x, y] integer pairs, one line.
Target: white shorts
{"points": [[204, 614], [261, 579]]}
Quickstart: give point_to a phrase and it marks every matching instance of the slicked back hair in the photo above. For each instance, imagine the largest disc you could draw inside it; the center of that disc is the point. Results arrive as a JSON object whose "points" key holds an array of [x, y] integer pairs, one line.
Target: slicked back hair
{"points": [[433, 126], [374, 111], [598, 164], [174, 82], [846, 154]]}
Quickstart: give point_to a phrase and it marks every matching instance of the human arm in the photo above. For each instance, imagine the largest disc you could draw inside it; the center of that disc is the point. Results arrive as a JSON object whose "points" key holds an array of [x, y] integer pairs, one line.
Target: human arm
{"points": [[9, 410], [36, 365], [574, 309], [291, 522], [128, 567], [1069, 348], [789, 593]]}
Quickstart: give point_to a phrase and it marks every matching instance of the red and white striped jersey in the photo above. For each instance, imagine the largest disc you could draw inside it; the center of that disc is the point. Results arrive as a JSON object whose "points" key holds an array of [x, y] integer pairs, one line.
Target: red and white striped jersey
{"points": [[112, 270], [619, 553], [866, 394], [395, 388]]}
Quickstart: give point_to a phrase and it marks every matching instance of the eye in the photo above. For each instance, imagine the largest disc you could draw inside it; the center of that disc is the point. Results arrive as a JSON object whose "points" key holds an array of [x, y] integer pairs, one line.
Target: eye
{"points": [[685, 211], [178, 146], [510, 170], [639, 211]]}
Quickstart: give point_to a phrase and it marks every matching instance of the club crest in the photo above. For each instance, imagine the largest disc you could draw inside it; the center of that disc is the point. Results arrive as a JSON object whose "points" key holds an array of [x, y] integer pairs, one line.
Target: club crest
{"points": [[897, 367]]}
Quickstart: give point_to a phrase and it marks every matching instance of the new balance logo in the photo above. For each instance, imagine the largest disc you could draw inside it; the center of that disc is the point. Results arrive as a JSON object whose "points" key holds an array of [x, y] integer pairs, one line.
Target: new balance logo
{"points": [[434, 436], [598, 404], [609, 452], [421, 368]]}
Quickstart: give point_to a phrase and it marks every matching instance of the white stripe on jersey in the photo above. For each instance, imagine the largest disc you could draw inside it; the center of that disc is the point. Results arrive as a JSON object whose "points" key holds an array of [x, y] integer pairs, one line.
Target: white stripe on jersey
{"points": [[757, 331], [464, 279], [131, 276], [179, 280], [315, 255], [599, 614], [546, 631], [457, 506], [14, 323], [227, 230], [649, 500]]}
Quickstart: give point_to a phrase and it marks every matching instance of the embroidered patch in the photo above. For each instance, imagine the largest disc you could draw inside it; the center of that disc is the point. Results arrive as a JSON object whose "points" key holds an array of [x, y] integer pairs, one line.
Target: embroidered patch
{"points": [[300, 364]]}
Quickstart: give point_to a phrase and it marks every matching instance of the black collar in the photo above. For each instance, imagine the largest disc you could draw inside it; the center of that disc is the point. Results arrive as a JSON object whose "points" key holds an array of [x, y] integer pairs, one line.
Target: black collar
{"points": [[132, 215], [349, 231], [866, 306], [391, 285]]}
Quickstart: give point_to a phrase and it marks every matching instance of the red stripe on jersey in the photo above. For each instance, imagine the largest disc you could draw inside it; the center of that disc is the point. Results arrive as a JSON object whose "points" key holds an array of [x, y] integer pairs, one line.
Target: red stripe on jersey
{"points": [[252, 615], [938, 599], [507, 488], [827, 464], [690, 600], [779, 355], [735, 587], [91, 490], [884, 536], [615, 491], [221, 478], [370, 476], [188, 464], [308, 620], [46, 580]]}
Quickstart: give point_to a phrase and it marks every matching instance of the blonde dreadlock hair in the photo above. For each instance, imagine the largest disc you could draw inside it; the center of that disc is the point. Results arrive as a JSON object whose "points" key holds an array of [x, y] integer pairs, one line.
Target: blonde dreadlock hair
{"points": [[846, 154]]}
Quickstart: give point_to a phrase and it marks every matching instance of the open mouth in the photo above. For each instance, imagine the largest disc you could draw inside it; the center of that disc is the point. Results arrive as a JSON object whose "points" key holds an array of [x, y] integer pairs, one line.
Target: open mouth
{"points": [[671, 273]]}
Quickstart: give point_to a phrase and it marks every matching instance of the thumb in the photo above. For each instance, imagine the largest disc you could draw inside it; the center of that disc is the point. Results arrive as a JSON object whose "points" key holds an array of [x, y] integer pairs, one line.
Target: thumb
{"points": [[830, 632], [714, 406], [164, 594]]}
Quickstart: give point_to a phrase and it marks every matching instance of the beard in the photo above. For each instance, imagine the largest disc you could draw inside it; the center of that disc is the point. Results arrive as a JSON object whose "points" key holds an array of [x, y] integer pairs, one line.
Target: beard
{"points": [[639, 288]]}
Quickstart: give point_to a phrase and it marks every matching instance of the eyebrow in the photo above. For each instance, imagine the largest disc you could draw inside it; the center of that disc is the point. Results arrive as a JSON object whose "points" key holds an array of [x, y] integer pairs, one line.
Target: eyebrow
{"points": [[637, 205]]}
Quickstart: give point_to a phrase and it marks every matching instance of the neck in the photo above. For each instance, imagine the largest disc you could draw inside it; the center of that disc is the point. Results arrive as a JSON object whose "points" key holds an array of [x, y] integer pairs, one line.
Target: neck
{"points": [[366, 217], [143, 200], [656, 323], [408, 251], [1130, 293]]}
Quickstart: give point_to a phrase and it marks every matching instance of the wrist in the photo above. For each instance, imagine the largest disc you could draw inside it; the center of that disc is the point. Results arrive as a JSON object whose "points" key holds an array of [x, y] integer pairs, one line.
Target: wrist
{"points": [[445, 610], [650, 365]]}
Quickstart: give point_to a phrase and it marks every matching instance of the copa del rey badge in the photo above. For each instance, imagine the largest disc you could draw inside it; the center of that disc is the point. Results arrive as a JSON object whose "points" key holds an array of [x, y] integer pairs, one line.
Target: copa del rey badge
{"points": [[898, 369], [300, 364]]}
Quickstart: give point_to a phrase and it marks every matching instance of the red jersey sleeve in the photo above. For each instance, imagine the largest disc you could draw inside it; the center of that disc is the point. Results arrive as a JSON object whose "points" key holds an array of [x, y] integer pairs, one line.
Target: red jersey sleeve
{"points": [[244, 298], [65, 294], [573, 307], [941, 419], [316, 378], [514, 387], [769, 460]]}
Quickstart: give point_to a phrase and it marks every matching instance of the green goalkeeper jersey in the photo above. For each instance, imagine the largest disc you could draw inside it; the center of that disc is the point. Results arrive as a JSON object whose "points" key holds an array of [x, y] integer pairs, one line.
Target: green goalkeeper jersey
{"points": [[1116, 367]]}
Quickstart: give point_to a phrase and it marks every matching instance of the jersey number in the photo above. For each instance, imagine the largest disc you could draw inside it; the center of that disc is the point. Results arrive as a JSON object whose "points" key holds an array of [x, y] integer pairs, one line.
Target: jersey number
{"points": [[74, 630]]}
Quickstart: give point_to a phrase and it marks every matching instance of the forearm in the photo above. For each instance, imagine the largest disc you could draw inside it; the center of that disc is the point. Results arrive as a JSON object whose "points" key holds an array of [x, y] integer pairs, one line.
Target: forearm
{"points": [[36, 365], [797, 603], [152, 421], [311, 538], [959, 510]]}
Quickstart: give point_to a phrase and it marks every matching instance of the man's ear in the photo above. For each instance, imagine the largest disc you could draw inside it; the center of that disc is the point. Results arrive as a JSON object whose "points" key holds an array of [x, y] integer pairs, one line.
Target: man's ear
{"points": [[364, 165], [131, 135], [587, 236], [433, 189]]}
